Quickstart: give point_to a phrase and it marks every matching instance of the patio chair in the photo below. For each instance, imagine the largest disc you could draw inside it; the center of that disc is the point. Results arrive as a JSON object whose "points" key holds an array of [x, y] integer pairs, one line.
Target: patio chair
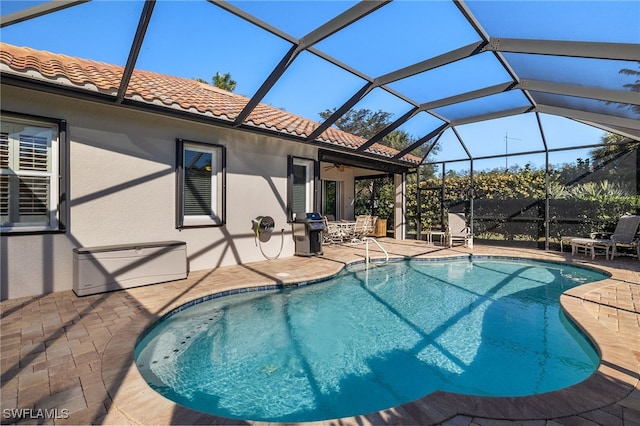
{"points": [[332, 234], [360, 229], [624, 235], [457, 230], [371, 225]]}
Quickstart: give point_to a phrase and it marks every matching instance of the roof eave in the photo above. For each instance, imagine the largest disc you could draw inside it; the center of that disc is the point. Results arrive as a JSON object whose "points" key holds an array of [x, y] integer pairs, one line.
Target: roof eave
{"points": [[57, 88]]}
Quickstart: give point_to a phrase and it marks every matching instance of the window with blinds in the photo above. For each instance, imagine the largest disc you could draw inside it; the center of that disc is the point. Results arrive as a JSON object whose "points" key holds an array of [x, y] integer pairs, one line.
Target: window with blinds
{"points": [[201, 184], [199, 180], [300, 180], [28, 176], [302, 177]]}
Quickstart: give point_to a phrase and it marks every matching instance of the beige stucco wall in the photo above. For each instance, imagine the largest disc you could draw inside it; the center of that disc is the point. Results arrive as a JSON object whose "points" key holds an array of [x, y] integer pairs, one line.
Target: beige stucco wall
{"points": [[122, 190]]}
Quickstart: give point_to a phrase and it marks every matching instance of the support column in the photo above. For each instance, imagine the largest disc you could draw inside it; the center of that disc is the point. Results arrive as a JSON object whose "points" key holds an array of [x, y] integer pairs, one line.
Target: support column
{"points": [[638, 172], [400, 206]]}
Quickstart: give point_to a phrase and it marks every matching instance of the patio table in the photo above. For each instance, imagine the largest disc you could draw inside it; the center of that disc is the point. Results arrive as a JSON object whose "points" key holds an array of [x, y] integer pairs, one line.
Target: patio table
{"points": [[566, 240], [441, 236], [345, 228], [590, 245]]}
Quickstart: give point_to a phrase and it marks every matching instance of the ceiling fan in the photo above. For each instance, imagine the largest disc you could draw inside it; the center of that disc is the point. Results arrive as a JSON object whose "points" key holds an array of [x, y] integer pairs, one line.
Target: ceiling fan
{"points": [[338, 167]]}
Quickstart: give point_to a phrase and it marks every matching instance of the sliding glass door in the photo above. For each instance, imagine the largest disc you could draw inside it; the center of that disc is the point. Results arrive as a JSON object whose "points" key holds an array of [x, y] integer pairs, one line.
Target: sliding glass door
{"points": [[331, 199]]}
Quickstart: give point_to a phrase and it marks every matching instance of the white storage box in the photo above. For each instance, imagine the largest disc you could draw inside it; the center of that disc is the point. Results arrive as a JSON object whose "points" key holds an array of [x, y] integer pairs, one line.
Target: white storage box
{"points": [[106, 268]]}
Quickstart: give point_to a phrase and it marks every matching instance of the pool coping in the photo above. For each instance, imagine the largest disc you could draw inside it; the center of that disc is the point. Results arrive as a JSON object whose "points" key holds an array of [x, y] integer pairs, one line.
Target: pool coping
{"points": [[615, 378]]}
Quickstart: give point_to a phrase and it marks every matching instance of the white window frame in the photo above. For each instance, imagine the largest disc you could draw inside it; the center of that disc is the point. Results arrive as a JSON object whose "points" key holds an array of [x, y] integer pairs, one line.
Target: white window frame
{"points": [[216, 216], [15, 127], [312, 184]]}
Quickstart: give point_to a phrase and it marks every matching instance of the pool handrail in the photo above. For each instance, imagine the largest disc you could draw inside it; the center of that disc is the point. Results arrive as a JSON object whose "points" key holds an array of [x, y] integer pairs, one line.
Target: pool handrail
{"points": [[366, 256]]}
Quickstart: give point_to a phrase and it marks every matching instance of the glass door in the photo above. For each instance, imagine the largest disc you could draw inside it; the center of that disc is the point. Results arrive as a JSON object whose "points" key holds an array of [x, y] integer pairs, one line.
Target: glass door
{"points": [[331, 199]]}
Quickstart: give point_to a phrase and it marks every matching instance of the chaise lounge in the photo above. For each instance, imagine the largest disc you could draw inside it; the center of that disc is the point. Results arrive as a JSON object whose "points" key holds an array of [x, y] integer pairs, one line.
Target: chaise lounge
{"points": [[457, 230], [623, 235]]}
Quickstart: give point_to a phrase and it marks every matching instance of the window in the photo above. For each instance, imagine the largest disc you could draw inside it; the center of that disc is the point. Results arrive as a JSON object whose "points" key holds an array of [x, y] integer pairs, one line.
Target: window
{"points": [[201, 184], [302, 186], [30, 181]]}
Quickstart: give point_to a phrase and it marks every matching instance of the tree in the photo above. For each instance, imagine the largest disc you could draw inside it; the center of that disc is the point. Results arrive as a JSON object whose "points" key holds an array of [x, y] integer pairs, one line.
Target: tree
{"points": [[360, 122], [399, 140], [634, 87], [618, 160], [224, 82], [221, 81], [366, 124], [613, 146]]}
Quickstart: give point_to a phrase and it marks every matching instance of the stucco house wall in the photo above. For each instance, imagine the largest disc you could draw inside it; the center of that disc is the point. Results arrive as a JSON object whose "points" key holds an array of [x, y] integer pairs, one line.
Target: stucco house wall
{"points": [[122, 189]]}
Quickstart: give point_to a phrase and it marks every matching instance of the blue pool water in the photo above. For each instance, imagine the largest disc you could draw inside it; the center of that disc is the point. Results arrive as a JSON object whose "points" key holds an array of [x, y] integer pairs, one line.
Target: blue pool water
{"points": [[372, 339]]}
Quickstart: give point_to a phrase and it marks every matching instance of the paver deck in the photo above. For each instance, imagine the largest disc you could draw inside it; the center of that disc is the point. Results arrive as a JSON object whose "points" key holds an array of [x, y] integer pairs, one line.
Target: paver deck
{"points": [[69, 360]]}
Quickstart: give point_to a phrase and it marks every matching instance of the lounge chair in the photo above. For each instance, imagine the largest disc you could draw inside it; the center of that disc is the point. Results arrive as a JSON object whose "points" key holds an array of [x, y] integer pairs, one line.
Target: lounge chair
{"points": [[623, 235], [457, 230]]}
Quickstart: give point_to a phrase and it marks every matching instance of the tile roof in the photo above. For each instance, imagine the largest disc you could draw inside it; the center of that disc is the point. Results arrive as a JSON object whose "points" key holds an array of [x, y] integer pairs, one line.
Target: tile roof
{"points": [[175, 92]]}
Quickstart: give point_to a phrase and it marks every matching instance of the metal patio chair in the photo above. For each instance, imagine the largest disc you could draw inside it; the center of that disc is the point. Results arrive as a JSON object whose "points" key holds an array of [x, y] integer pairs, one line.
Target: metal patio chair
{"points": [[332, 234]]}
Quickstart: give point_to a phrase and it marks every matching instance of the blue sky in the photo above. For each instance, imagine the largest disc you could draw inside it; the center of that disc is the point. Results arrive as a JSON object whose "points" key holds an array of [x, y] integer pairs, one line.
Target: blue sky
{"points": [[196, 39]]}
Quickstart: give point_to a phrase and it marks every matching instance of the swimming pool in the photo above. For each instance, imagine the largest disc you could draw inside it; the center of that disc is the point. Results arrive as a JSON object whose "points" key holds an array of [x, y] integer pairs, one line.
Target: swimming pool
{"points": [[372, 339]]}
